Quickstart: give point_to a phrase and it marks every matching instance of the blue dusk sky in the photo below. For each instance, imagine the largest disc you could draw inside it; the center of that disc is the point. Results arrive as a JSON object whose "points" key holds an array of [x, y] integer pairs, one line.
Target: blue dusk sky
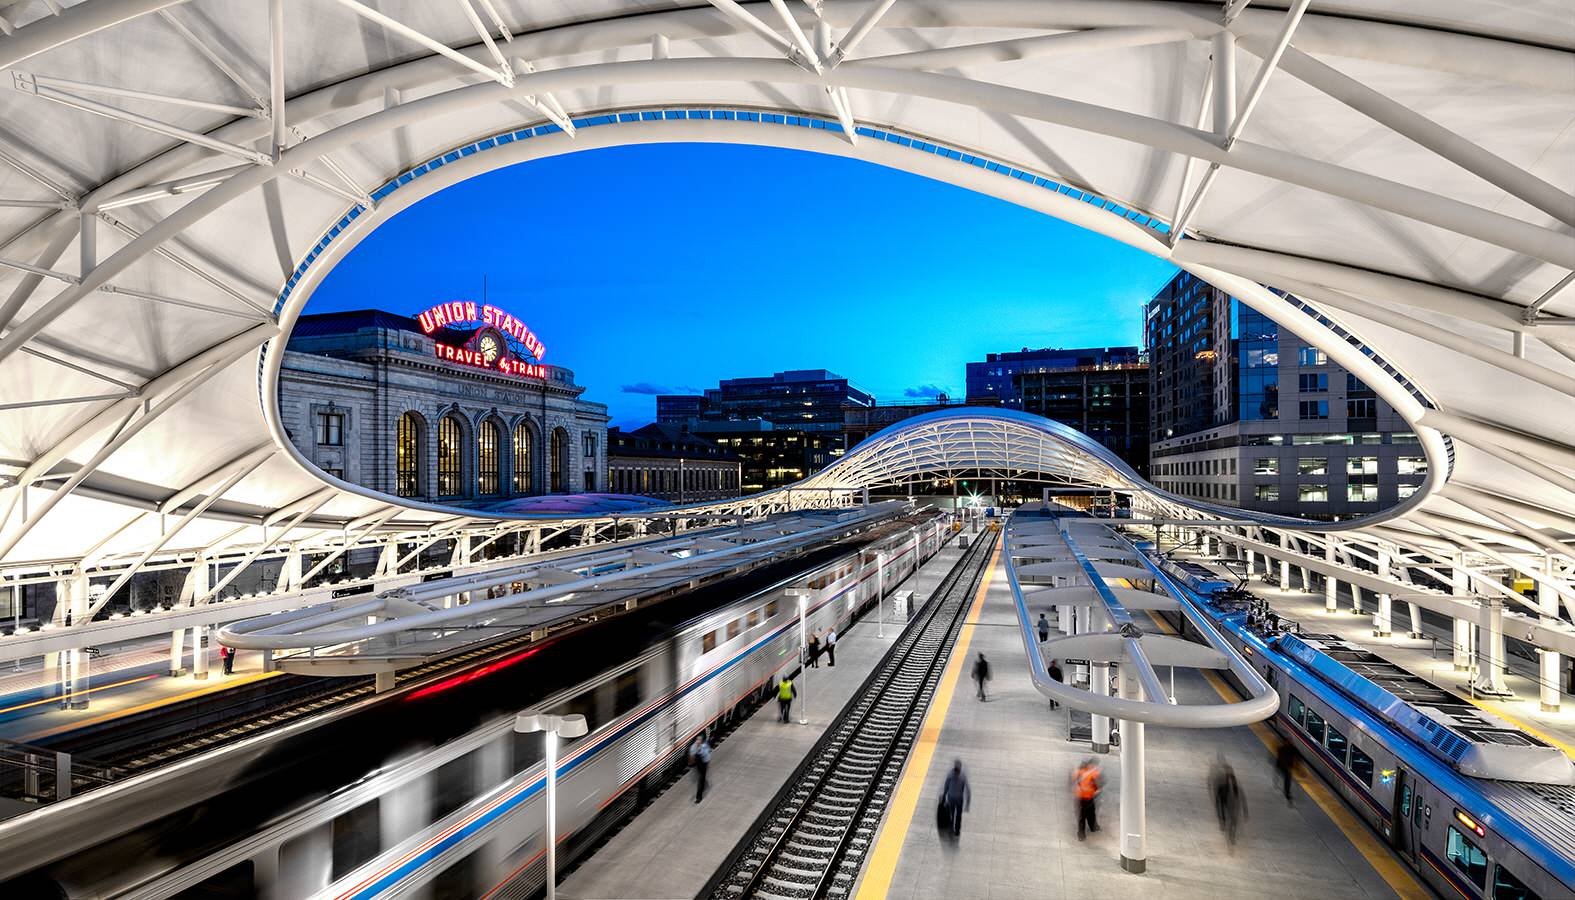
{"points": [[664, 268]]}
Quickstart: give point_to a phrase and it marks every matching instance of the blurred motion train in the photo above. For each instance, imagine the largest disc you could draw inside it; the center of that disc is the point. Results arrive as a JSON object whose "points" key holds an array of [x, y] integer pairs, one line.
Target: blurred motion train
{"points": [[1475, 806], [409, 797]]}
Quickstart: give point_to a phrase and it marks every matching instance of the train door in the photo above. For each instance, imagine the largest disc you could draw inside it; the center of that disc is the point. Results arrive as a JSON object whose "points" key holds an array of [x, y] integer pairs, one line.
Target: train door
{"points": [[1407, 809]]}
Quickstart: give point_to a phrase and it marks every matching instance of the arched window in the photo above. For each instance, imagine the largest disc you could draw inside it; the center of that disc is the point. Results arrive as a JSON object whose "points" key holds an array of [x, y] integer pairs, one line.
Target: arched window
{"points": [[407, 456], [488, 481], [451, 436], [559, 458], [523, 439]]}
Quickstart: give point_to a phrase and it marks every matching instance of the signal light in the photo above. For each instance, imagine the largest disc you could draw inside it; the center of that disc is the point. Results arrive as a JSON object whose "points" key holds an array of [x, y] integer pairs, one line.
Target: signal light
{"points": [[1470, 823]]}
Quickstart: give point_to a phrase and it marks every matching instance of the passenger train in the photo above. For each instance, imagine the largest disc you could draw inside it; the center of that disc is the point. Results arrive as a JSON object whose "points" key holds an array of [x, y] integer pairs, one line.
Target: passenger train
{"points": [[469, 811], [1475, 806]]}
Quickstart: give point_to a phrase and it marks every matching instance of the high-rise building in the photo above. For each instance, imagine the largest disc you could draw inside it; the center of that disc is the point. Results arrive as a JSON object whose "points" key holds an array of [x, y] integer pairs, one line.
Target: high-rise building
{"points": [[1245, 414], [1100, 391], [772, 457], [991, 380]]}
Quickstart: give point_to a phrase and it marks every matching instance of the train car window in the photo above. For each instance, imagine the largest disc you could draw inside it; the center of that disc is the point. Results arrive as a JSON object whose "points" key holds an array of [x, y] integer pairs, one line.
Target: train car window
{"points": [[754, 618], [1405, 800], [453, 785], [457, 882], [235, 882], [1315, 726], [1336, 743], [1467, 857], [771, 609], [1362, 766], [708, 642], [1507, 887], [626, 692], [1297, 709], [733, 628], [356, 839]]}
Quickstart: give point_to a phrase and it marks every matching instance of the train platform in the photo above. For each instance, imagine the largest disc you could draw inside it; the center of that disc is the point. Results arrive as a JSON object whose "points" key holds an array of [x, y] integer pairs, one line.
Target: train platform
{"points": [[132, 678], [1429, 657], [674, 846], [1019, 837]]}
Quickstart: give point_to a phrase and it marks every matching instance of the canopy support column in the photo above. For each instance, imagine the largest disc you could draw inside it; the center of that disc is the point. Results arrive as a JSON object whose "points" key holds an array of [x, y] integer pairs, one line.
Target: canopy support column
{"points": [[1134, 790]]}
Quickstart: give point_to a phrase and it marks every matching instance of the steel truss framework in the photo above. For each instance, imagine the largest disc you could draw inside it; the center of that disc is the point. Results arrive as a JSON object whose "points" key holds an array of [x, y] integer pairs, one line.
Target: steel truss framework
{"points": [[177, 177]]}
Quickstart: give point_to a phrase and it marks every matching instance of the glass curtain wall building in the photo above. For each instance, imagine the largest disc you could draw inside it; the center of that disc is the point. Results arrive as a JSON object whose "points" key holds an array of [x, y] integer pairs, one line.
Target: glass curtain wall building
{"points": [[1284, 429]]}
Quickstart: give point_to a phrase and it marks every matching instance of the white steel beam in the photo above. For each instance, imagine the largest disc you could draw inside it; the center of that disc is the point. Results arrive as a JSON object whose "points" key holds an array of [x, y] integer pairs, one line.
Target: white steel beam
{"points": [[505, 77], [860, 30], [164, 189], [213, 57], [84, 87], [25, 83], [276, 111], [765, 32]]}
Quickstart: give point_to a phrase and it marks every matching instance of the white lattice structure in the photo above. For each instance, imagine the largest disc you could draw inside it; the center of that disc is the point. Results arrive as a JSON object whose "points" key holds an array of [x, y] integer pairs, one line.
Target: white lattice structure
{"points": [[176, 179]]}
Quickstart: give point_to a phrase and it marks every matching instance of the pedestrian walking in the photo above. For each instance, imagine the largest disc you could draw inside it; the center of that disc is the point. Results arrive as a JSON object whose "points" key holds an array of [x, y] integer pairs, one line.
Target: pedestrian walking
{"points": [[814, 650], [1044, 628], [700, 758], [1086, 786], [831, 646], [955, 800], [1285, 764], [1056, 676], [1230, 805], [785, 694], [227, 654], [981, 674]]}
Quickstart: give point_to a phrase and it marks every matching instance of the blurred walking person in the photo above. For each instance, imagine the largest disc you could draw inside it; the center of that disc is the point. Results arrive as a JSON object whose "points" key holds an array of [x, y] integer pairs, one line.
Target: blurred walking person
{"points": [[1230, 805], [700, 758], [1086, 784], [981, 674], [785, 694], [1285, 765], [814, 650], [955, 800], [1044, 628], [1056, 676]]}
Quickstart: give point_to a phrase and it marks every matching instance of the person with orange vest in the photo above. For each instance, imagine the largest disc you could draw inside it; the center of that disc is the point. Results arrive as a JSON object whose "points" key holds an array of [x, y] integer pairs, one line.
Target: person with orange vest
{"points": [[1086, 784]]}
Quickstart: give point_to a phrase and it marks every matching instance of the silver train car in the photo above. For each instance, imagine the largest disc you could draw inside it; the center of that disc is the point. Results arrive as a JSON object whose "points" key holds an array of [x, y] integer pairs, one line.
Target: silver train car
{"points": [[471, 812]]}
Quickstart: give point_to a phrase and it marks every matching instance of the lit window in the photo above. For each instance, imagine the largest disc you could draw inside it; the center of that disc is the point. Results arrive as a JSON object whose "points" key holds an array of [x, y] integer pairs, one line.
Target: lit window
{"points": [[523, 441], [1361, 493], [450, 435], [487, 440], [1411, 465], [407, 456], [331, 429], [1313, 493], [1268, 492], [1266, 465], [1361, 465], [1312, 465], [1403, 491], [1467, 857]]}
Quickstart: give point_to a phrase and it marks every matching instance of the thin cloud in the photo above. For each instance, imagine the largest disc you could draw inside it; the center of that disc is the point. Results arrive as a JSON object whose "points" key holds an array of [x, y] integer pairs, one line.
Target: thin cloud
{"points": [[646, 387], [924, 390]]}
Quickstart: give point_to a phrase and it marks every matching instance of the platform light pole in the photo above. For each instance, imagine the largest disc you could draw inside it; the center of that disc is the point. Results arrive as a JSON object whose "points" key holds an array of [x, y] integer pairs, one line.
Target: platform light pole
{"points": [[880, 594], [553, 728], [803, 652]]}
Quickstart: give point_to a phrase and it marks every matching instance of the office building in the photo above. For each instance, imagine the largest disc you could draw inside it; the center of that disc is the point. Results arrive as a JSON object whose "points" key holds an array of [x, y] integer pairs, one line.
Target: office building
{"points": [[772, 457], [993, 379], [669, 463], [809, 400], [1246, 414]]}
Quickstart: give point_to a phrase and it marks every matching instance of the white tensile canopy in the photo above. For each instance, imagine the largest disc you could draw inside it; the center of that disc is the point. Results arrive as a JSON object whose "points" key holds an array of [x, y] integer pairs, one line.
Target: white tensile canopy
{"points": [[176, 179]]}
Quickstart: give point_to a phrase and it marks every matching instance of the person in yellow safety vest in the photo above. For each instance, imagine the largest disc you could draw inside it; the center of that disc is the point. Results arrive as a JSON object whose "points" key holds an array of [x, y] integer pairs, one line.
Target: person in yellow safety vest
{"points": [[785, 694], [1085, 784]]}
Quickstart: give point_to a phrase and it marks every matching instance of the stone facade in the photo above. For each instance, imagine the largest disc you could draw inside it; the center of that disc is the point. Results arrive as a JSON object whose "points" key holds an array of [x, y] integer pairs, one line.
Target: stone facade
{"points": [[348, 378]]}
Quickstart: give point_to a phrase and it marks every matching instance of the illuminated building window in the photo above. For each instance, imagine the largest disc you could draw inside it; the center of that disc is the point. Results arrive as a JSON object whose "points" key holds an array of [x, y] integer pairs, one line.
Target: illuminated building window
{"points": [[450, 438], [407, 448], [487, 440], [523, 439]]}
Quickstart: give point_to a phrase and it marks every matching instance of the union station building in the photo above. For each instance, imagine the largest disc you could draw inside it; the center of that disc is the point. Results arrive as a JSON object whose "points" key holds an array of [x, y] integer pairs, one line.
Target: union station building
{"points": [[453, 405]]}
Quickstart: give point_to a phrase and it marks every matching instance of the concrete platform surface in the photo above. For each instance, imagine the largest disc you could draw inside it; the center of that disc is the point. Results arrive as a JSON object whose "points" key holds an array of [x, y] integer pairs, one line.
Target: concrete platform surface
{"points": [[1019, 838]]}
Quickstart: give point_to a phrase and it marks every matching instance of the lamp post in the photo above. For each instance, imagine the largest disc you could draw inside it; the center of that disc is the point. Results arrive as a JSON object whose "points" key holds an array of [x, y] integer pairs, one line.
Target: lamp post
{"points": [[553, 727], [803, 652]]}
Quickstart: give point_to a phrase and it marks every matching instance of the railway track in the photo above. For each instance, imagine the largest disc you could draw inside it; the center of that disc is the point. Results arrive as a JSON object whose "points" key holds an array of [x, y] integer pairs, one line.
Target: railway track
{"points": [[811, 841]]}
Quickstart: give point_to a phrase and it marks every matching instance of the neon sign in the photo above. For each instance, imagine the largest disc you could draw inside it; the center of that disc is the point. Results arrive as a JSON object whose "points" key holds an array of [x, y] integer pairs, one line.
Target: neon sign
{"points": [[466, 312], [489, 344]]}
